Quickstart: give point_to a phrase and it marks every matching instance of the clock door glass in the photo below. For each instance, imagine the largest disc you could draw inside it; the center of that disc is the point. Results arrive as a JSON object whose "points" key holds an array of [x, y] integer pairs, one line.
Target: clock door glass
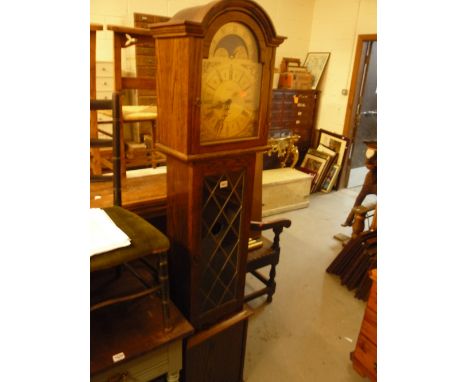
{"points": [[230, 91]]}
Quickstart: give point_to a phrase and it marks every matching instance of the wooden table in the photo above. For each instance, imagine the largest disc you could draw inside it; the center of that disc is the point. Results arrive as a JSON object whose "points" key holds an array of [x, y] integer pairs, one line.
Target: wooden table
{"points": [[143, 195], [129, 340]]}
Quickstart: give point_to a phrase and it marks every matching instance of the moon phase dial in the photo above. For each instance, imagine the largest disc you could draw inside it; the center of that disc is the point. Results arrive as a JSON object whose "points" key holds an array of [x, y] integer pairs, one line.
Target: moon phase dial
{"points": [[230, 86]]}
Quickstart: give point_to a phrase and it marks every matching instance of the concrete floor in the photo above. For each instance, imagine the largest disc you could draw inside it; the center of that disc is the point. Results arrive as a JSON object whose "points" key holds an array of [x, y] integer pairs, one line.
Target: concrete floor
{"points": [[307, 333]]}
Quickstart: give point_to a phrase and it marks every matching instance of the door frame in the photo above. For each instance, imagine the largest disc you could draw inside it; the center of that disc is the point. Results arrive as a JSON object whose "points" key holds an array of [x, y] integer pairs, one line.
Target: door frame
{"points": [[348, 128]]}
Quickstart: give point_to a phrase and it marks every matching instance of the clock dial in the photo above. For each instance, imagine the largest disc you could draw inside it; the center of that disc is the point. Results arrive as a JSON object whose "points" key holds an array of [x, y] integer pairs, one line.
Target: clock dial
{"points": [[230, 86]]}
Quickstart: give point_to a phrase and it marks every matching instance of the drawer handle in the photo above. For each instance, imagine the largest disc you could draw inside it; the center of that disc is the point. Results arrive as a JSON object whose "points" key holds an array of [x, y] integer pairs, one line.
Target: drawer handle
{"points": [[299, 113], [298, 122]]}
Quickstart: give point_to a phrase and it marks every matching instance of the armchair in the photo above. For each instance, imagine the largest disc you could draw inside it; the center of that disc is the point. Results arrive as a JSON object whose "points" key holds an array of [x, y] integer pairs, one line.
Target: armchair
{"points": [[267, 255]]}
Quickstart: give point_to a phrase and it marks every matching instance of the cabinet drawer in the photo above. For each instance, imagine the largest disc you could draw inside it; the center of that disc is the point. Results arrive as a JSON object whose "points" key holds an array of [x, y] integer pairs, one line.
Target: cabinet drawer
{"points": [[104, 95], [146, 60], [104, 69], [276, 115], [144, 51], [141, 369], [146, 71], [104, 84], [296, 124], [303, 133], [277, 96], [304, 118]]}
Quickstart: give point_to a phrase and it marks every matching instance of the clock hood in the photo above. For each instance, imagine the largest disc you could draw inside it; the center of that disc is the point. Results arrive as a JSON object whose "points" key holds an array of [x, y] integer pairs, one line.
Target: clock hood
{"points": [[204, 15]]}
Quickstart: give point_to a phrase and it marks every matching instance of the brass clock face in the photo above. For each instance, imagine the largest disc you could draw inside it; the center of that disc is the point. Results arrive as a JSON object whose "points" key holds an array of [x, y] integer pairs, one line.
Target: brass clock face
{"points": [[230, 91]]}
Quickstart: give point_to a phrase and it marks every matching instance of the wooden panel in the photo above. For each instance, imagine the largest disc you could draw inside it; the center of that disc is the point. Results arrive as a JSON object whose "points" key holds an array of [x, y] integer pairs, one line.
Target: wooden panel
{"points": [[366, 354], [369, 331], [372, 301], [217, 354], [177, 113], [145, 56], [144, 195]]}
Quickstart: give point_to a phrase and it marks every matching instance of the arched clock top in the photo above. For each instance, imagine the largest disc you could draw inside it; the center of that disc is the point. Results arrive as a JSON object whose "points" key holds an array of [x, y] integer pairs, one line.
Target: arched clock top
{"points": [[202, 21]]}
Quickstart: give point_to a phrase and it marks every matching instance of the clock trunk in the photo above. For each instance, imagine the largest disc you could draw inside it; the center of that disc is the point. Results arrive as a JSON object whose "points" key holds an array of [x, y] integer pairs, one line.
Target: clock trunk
{"points": [[208, 217]]}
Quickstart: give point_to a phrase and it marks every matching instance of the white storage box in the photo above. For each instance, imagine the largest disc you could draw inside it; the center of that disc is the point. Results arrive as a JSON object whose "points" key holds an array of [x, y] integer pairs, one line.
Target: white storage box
{"points": [[284, 189]]}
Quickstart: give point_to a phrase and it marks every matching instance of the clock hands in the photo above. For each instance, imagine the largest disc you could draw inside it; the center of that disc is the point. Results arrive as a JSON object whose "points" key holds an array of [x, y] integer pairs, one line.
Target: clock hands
{"points": [[222, 104], [225, 108]]}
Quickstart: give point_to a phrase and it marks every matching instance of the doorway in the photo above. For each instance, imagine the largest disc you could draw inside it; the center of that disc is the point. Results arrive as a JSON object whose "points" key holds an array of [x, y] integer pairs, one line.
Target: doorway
{"points": [[361, 117]]}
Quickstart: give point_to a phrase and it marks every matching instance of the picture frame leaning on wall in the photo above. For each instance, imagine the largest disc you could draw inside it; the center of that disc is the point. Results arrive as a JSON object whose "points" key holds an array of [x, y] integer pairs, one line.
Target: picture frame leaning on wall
{"points": [[319, 162], [330, 179], [315, 62], [338, 143]]}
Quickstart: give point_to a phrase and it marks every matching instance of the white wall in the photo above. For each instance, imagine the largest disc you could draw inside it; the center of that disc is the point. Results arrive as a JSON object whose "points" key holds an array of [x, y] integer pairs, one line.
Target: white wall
{"points": [[309, 25], [291, 18], [335, 27]]}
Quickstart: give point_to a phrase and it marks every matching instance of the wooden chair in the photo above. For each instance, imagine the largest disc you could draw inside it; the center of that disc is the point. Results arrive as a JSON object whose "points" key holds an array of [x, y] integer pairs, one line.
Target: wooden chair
{"points": [[267, 255], [112, 270]]}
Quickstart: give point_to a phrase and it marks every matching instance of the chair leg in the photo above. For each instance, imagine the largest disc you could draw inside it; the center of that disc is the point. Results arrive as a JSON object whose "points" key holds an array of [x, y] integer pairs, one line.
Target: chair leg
{"points": [[164, 280], [271, 283]]}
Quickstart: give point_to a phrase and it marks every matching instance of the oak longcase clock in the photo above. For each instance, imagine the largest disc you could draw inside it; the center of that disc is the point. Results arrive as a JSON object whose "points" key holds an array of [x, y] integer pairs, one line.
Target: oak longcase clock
{"points": [[213, 79]]}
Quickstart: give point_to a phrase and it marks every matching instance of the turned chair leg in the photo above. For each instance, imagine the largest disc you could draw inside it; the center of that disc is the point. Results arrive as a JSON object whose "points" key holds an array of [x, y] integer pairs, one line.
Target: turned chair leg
{"points": [[164, 281], [271, 283]]}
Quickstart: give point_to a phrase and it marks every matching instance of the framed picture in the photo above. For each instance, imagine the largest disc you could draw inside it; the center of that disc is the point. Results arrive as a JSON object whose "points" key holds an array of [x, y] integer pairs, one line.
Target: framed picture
{"points": [[315, 62], [316, 164], [336, 142], [312, 173], [330, 179], [327, 150]]}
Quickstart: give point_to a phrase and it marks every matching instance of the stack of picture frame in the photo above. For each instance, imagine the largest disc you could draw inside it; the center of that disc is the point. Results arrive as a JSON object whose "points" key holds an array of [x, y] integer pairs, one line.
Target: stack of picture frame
{"points": [[326, 160]]}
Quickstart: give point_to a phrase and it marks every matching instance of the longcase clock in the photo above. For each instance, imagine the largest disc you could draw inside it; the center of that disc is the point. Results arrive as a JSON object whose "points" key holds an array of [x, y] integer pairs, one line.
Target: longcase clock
{"points": [[213, 81]]}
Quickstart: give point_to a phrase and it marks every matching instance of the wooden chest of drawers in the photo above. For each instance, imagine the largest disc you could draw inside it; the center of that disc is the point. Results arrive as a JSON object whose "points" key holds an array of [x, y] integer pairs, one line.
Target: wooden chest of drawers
{"points": [[364, 356], [104, 79], [294, 111]]}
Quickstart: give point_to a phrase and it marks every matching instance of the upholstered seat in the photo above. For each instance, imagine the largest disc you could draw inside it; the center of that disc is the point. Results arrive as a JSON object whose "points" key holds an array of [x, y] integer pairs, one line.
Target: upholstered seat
{"points": [[145, 239]]}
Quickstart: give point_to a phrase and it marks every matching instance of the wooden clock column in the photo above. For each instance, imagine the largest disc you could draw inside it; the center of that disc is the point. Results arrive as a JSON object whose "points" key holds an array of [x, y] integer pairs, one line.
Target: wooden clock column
{"points": [[213, 82]]}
